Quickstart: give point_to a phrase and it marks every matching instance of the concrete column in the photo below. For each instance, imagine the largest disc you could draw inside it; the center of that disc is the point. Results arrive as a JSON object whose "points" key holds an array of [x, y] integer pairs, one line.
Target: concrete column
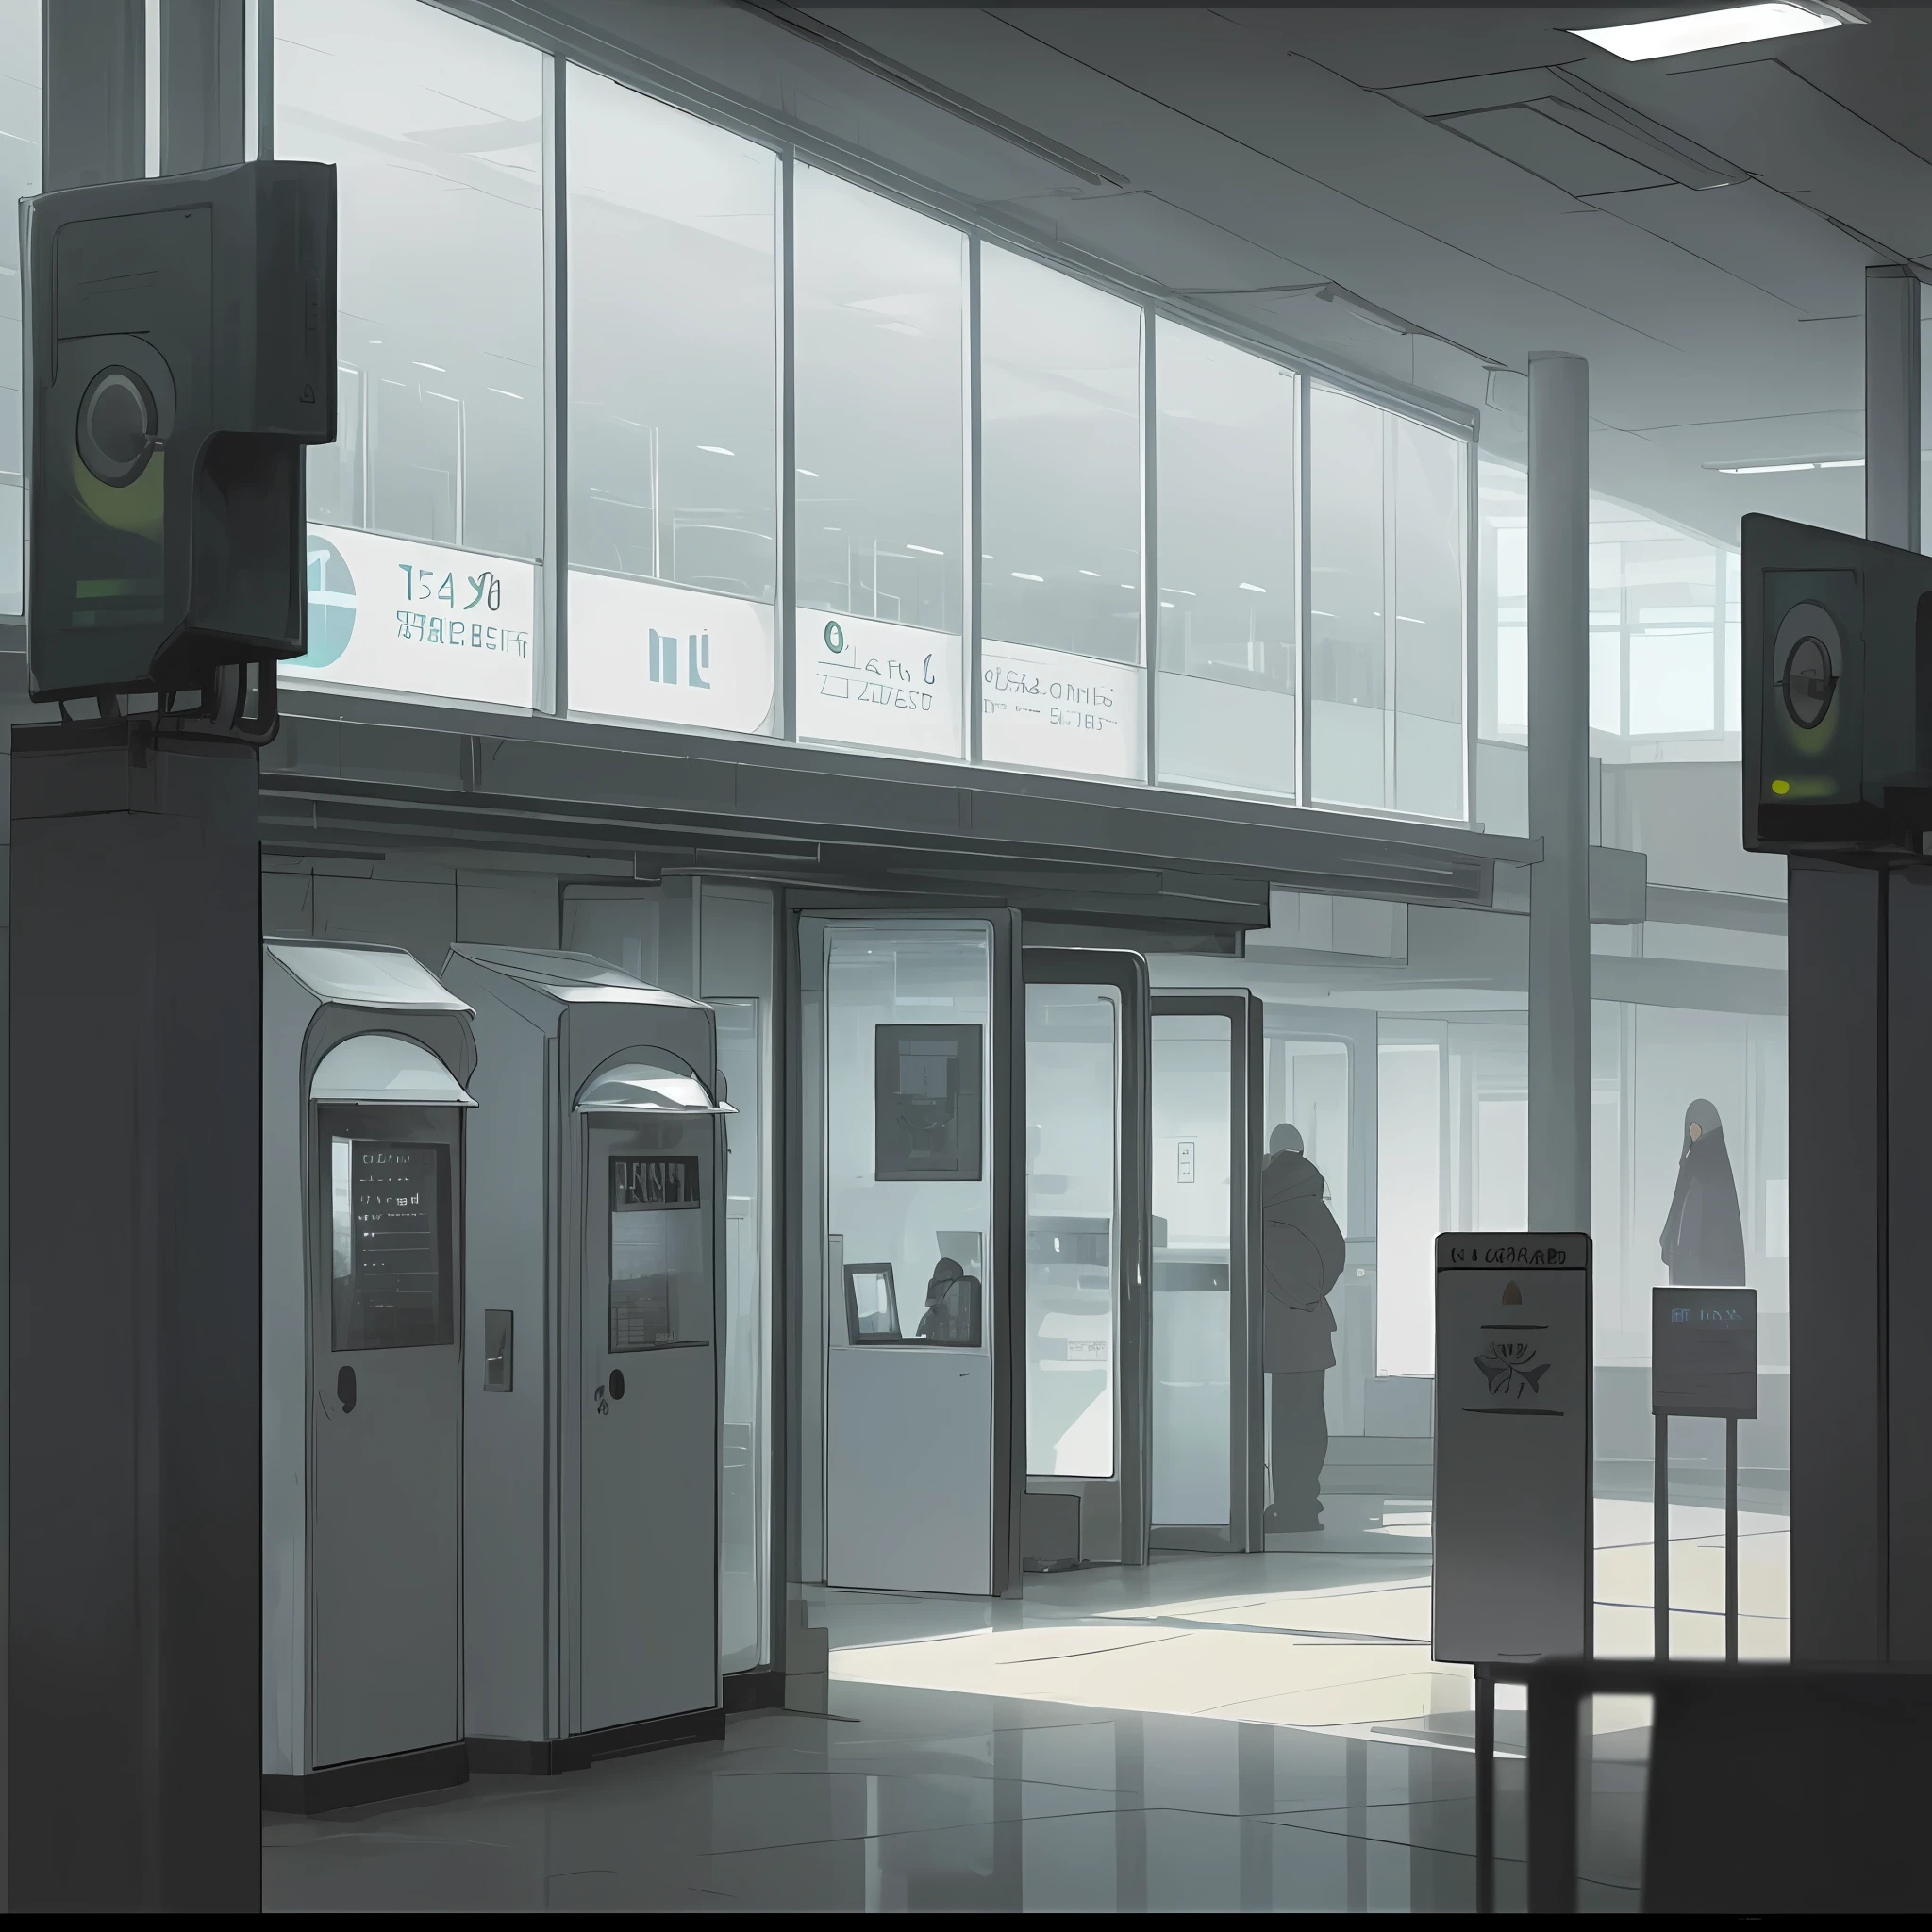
{"points": [[94, 91], [1559, 793], [1891, 405], [203, 84]]}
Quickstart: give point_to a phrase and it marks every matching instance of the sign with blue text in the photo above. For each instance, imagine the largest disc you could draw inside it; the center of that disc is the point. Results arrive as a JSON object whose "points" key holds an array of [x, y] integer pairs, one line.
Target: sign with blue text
{"points": [[665, 654], [1514, 1562], [1057, 713], [420, 620], [888, 687], [1704, 1351]]}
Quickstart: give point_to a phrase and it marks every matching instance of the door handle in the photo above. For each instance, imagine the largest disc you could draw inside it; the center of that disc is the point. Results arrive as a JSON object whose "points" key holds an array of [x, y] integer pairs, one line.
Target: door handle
{"points": [[345, 1386]]}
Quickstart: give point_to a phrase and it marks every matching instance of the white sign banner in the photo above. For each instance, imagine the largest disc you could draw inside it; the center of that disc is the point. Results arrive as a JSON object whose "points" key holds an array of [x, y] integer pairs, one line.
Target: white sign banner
{"points": [[889, 686], [1059, 712], [664, 654], [392, 615]]}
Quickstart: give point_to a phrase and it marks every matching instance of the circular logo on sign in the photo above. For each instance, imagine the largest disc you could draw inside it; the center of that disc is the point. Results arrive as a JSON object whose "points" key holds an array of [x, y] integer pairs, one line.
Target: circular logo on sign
{"points": [[835, 639], [331, 604]]}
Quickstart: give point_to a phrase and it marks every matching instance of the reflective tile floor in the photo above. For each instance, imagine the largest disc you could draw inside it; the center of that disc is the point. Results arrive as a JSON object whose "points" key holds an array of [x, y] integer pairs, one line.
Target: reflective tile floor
{"points": [[929, 1801], [1211, 1733]]}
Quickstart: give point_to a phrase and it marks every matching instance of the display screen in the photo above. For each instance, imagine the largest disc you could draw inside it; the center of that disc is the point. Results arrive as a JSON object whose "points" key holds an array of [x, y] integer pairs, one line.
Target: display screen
{"points": [[926, 1103], [390, 1245], [660, 1287]]}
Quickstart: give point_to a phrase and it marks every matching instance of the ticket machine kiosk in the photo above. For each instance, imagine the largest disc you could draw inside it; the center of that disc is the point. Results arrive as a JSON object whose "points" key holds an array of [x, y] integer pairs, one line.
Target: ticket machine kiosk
{"points": [[365, 1055], [596, 1279]]}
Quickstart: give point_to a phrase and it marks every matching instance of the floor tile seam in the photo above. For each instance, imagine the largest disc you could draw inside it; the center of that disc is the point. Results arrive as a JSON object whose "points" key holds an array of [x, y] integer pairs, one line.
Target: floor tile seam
{"points": [[1321, 1689], [1373, 1839], [1044, 1784]]}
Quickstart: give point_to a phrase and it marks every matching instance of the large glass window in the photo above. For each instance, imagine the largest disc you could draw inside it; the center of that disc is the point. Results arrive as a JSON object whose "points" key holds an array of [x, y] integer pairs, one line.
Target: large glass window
{"points": [[880, 349], [672, 247], [1227, 464], [20, 174], [1388, 532], [432, 494], [1061, 460]]}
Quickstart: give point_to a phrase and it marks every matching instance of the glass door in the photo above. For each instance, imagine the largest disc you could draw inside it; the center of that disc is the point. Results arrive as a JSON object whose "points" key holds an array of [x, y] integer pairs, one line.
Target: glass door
{"points": [[1086, 1305], [1206, 1489]]}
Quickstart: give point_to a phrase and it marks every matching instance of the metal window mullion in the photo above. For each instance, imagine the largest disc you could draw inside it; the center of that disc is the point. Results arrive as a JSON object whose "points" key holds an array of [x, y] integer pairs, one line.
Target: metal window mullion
{"points": [[975, 521], [1304, 791], [259, 106], [787, 585], [1390, 543], [1472, 584], [552, 692], [1150, 560]]}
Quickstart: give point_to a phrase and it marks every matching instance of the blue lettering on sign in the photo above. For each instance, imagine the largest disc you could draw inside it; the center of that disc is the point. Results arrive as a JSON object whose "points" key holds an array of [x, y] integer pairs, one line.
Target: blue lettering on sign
{"points": [[698, 660]]}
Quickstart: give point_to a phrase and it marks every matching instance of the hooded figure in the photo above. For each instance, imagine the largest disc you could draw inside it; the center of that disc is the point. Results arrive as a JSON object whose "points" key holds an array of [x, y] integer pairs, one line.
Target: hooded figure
{"points": [[1703, 1240], [1302, 1256]]}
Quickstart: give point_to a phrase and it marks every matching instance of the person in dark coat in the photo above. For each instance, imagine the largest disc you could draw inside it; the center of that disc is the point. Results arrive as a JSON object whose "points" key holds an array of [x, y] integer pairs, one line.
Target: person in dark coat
{"points": [[1703, 1240], [1302, 1255]]}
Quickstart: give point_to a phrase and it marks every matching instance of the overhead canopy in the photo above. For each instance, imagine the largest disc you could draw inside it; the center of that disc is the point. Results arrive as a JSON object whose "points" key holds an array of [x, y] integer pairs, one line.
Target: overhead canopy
{"points": [[380, 1070], [661, 1084], [366, 977]]}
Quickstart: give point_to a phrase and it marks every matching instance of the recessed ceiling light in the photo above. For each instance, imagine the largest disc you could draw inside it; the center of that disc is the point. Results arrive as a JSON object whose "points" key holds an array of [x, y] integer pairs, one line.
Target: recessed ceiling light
{"points": [[510, 393], [1729, 26], [1763, 469], [437, 366], [1843, 463], [812, 474], [1086, 573], [1256, 587], [926, 549], [1027, 577], [716, 449]]}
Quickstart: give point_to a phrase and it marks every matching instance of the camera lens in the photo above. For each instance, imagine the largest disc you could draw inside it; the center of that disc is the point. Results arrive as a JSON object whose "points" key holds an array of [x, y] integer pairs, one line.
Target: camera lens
{"points": [[116, 431]]}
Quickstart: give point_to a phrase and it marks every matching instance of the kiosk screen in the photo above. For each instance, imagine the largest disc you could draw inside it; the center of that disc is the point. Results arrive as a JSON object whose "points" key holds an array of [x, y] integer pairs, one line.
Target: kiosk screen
{"points": [[659, 1288], [391, 1247]]}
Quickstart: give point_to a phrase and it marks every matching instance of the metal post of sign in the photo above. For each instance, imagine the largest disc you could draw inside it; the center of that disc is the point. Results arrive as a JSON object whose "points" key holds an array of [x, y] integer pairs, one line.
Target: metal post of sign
{"points": [[1660, 1540], [1485, 1789], [1730, 1539], [1703, 1362]]}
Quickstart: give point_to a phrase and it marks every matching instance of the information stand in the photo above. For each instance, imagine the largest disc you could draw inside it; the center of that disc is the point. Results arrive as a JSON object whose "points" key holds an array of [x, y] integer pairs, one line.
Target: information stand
{"points": [[1513, 1566], [1703, 1362]]}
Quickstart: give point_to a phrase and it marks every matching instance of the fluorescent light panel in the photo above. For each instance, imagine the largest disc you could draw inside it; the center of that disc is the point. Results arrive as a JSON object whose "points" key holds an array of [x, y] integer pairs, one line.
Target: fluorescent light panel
{"points": [[1694, 33]]}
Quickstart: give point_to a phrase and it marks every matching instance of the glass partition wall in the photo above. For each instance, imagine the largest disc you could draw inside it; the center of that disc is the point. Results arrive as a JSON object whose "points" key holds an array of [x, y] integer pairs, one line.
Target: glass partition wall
{"points": [[830, 468]]}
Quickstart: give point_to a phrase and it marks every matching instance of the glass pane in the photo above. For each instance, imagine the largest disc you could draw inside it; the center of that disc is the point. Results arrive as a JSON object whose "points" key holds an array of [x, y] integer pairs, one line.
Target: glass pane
{"points": [[20, 175], [935, 1230], [436, 131], [1073, 1251], [1308, 1089], [1348, 654], [1193, 1099], [674, 446], [1408, 1192], [743, 1501], [428, 505], [1431, 533], [880, 348], [1060, 509], [660, 1287], [1229, 463], [390, 1245]]}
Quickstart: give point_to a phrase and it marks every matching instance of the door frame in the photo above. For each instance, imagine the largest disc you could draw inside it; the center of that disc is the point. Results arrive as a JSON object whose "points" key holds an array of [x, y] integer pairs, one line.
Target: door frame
{"points": [[1126, 972], [1005, 1162], [1247, 1485]]}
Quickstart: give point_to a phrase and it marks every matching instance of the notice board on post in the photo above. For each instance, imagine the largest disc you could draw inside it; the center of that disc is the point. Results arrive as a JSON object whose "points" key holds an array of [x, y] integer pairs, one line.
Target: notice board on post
{"points": [[1703, 1351], [1514, 1561]]}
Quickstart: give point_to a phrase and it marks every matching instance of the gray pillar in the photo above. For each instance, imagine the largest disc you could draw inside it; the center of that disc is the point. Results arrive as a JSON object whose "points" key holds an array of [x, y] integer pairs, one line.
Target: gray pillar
{"points": [[94, 91], [1891, 405], [1559, 793], [203, 84]]}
